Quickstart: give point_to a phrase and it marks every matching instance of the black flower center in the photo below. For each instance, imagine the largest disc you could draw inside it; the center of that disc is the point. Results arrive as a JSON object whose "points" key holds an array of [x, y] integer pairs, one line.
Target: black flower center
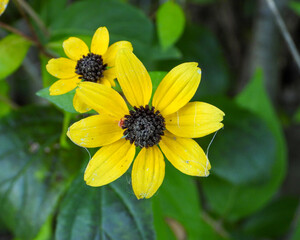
{"points": [[90, 67], [144, 126]]}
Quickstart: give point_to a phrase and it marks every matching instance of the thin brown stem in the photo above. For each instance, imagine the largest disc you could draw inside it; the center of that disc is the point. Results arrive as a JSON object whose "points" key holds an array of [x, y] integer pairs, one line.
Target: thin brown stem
{"points": [[16, 31], [8, 102], [36, 39], [34, 16]]}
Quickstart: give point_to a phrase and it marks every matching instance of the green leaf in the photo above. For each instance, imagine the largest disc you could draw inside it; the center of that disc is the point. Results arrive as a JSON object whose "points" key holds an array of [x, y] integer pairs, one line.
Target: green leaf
{"points": [[235, 202], [4, 106], [64, 101], [32, 177], [126, 23], [273, 221], [107, 212], [296, 235], [232, 151], [13, 49], [178, 199], [203, 2], [295, 6], [296, 117], [170, 23], [215, 73]]}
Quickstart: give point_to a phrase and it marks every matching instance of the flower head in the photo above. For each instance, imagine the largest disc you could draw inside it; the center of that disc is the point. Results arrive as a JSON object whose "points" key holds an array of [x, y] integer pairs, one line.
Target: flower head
{"points": [[94, 65], [165, 127], [3, 5]]}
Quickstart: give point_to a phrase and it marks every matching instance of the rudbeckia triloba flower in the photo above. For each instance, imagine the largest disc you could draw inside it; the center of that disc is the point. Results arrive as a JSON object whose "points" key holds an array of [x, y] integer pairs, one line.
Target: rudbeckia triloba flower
{"points": [[3, 4], [97, 65], [164, 127]]}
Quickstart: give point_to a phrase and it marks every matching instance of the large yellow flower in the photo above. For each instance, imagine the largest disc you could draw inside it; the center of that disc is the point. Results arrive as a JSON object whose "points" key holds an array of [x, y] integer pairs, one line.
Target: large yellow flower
{"points": [[3, 5], [96, 65], [167, 126]]}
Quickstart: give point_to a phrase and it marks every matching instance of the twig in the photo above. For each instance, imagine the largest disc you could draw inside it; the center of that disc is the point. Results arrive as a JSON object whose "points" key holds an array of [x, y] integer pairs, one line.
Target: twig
{"points": [[36, 39], [34, 16], [16, 31], [283, 29], [216, 225], [8, 102]]}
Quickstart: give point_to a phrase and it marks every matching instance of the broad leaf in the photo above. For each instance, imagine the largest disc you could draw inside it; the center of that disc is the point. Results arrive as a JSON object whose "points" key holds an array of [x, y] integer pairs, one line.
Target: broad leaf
{"points": [[236, 202], [107, 212], [273, 221], [32, 176], [126, 23], [170, 23], [177, 200], [13, 49], [64, 101], [243, 152]]}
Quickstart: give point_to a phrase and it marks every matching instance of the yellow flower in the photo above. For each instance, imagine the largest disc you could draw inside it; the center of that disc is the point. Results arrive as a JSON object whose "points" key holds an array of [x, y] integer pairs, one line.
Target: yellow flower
{"points": [[166, 127], [3, 5], [96, 65]]}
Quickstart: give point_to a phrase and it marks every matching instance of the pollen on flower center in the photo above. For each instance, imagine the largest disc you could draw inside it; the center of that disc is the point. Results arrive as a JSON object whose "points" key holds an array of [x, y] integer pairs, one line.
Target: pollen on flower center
{"points": [[90, 67], [144, 126]]}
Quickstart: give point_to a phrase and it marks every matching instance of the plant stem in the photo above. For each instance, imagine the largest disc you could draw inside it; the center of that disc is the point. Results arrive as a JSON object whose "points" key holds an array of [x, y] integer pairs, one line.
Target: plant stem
{"points": [[16, 31], [63, 136], [34, 16], [8, 102], [283, 29], [35, 37]]}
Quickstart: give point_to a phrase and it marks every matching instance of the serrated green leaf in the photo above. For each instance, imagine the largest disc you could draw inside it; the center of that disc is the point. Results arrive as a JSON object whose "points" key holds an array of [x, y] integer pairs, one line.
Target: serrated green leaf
{"points": [[64, 101], [170, 21], [32, 178], [107, 212], [13, 49]]}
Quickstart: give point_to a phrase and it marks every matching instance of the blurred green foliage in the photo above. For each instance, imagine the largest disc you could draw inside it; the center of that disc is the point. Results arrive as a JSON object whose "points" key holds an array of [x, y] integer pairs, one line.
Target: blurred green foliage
{"points": [[42, 192]]}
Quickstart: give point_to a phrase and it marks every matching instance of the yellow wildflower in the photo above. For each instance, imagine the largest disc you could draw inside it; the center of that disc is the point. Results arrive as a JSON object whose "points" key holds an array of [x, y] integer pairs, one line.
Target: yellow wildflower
{"points": [[96, 65], [3, 5], [166, 127]]}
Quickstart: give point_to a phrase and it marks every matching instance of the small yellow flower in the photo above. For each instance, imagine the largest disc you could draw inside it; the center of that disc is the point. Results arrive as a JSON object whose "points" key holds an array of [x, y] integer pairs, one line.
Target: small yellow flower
{"points": [[96, 65], [166, 127], [3, 5]]}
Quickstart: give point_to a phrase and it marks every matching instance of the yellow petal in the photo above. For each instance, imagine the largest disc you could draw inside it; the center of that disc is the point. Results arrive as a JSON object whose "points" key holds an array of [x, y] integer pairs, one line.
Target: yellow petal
{"points": [[102, 99], [110, 75], [185, 154], [3, 4], [177, 88], [61, 67], [195, 119], [109, 163], [79, 105], [148, 172], [75, 48], [100, 41], [110, 56], [95, 131], [63, 86], [133, 78], [105, 81]]}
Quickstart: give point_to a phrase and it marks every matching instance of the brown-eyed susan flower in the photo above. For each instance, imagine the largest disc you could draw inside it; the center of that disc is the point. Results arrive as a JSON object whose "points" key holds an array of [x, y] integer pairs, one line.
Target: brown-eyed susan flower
{"points": [[95, 65], [3, 5], [163, 128]]}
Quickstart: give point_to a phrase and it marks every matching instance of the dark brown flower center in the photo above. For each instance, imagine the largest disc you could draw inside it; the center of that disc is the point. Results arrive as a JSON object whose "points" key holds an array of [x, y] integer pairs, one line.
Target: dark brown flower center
{"points": [[143, 126], [90, 67]]}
